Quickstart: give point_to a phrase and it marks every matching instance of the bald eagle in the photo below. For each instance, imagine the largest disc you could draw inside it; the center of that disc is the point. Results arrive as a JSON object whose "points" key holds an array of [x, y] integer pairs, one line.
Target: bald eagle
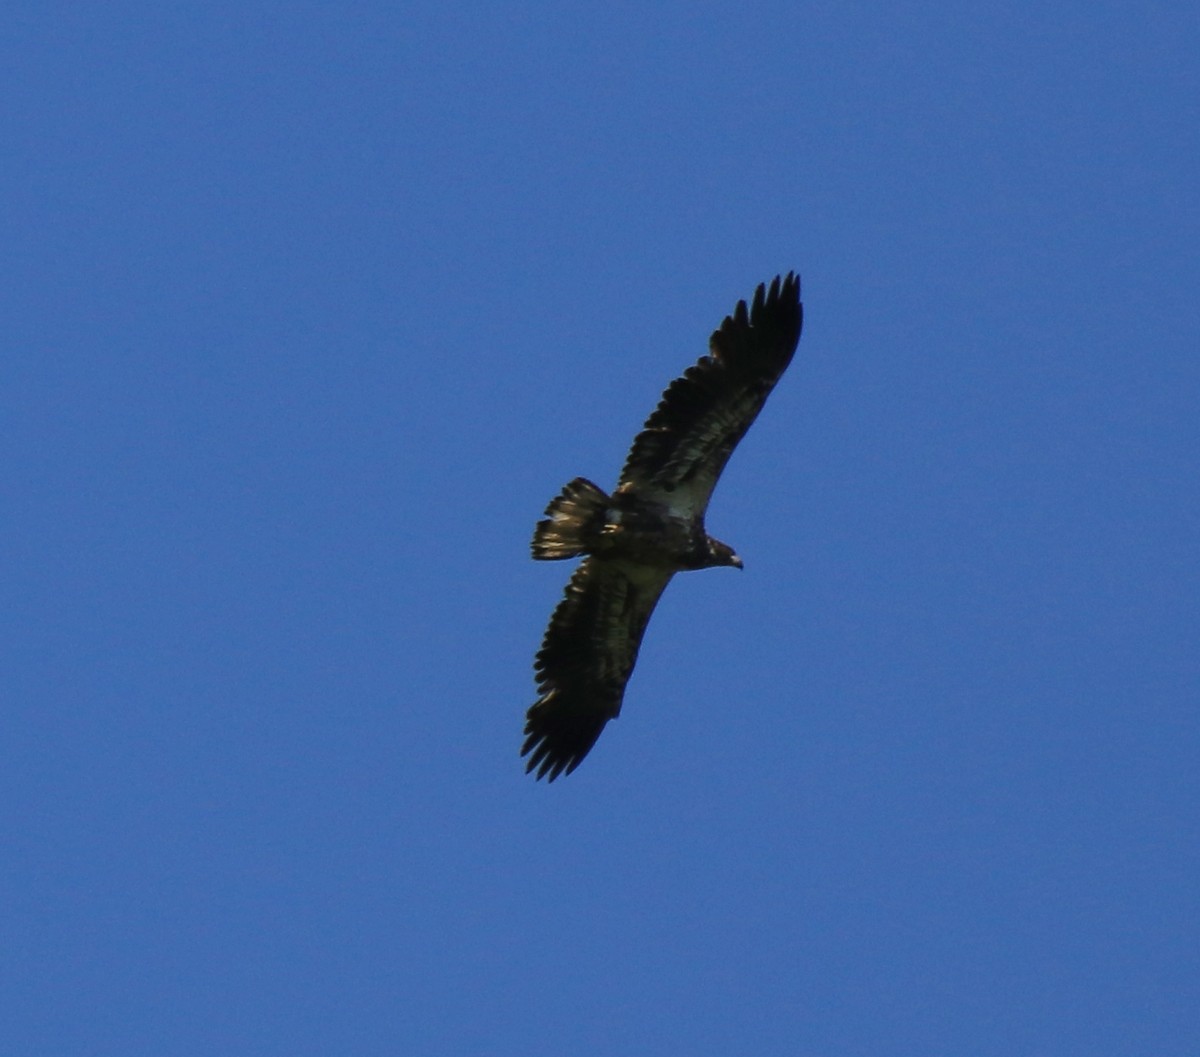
{"points": [[650, 528]]}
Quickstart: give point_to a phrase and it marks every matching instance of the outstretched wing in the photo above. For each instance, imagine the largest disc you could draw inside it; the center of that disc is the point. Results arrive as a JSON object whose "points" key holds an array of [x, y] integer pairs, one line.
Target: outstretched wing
{"points": [[686, 442], [589, 650]]}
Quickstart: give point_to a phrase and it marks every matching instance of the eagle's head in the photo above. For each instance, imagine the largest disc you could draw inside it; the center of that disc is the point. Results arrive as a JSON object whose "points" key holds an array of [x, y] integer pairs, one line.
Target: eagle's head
{"points": [[722, 554]]}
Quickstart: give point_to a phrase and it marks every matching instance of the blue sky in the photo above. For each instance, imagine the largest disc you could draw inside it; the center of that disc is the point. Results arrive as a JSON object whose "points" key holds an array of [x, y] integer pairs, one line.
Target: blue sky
{"points": [[310, 309]]}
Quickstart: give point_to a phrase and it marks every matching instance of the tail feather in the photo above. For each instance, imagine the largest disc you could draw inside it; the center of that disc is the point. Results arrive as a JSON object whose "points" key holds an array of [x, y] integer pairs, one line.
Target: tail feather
{"points": [[574, 518]]}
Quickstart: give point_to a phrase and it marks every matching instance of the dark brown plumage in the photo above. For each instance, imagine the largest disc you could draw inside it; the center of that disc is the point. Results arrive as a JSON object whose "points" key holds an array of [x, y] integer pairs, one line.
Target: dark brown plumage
{"points": [[651, 527]]}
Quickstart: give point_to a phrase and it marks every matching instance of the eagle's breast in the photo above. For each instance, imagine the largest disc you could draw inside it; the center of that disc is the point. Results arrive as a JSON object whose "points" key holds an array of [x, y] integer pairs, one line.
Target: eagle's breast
{"points": [[650, 534]]}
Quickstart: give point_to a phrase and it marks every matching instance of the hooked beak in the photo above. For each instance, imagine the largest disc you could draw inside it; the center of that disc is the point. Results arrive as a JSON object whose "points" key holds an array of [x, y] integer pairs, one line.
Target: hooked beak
{"points": [[736, 562]]}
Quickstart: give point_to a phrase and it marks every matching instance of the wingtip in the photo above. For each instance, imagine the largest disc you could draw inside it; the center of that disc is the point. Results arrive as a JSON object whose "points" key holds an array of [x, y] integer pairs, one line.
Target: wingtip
{"points": [[548, 756], [546, 764], [782, 289]]}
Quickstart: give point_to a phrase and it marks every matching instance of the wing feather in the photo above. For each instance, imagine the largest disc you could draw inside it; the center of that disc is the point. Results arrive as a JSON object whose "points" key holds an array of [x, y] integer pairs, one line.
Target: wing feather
{"points": [[685, 443], [585, 661]]}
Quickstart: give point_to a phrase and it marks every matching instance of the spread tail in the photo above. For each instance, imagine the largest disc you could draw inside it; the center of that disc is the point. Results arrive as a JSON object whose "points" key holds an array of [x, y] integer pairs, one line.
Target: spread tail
{"points": [[574, 517]]}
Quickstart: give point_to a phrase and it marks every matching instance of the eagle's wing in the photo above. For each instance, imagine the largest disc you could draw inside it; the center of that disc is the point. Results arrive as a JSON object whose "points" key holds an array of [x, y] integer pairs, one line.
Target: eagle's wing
{"points": [[585, 660], [686, 442]]}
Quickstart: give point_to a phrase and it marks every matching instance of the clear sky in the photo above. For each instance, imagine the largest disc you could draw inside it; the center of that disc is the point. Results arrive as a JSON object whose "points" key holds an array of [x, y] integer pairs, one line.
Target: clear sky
{"points": [[309, 309]]}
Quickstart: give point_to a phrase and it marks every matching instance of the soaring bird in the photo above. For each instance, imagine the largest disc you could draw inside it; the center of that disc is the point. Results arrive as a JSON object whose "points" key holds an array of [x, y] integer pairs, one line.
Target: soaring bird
{"points": [[650, 528]]}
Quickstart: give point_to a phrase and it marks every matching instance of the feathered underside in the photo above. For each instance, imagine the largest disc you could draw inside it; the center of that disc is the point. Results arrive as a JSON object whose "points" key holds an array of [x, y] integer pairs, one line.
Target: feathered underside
{"points": [[586, 657], [685, 443]]}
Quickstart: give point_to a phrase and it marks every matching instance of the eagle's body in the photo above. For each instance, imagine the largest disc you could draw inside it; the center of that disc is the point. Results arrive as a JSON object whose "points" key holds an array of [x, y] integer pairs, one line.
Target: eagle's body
{"points": [[650, 528]]}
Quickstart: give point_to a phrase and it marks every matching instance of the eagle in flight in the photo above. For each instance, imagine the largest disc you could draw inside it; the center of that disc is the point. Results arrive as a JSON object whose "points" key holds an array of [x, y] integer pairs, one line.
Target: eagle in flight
{"points": [[649, 529]]}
